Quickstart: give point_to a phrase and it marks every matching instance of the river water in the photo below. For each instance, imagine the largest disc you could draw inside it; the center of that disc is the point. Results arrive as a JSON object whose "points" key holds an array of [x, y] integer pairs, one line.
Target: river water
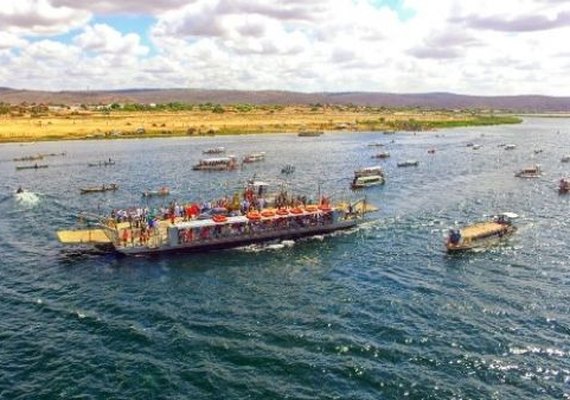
{"points": [[381, 312]]}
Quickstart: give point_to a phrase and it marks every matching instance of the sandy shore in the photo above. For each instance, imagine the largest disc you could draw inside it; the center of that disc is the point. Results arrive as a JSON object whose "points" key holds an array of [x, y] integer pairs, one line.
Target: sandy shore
{"points": [[68, 125]]}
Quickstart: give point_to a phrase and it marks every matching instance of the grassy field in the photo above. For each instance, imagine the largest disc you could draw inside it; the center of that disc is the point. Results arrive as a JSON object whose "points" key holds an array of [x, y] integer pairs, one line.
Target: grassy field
{"points": [[67, 125]]}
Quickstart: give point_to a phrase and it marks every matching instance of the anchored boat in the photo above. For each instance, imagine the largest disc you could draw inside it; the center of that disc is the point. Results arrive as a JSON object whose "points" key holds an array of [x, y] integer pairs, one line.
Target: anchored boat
{"points": [[288, 169], [99, 189], [216, 164], [481, 234], [529, 172], [564, 185], [382, 155], [409, 163], [107, 163], [366, 177], [310, 133], [35, 166], [163, 191], [215, 150], [254, 157]]}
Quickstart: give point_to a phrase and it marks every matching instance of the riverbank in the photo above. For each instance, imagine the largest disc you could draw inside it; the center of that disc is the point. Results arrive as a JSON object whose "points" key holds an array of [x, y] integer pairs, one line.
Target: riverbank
{"points": [[66, 124]]}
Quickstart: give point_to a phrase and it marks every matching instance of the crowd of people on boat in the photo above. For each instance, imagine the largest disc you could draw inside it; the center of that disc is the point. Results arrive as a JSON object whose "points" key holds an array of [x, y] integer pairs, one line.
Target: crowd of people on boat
{"points": [[143, 222]]}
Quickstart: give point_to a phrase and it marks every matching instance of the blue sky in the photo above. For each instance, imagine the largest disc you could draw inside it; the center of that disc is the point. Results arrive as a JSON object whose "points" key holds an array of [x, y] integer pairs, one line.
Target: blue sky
{"points": [[473, 47]]}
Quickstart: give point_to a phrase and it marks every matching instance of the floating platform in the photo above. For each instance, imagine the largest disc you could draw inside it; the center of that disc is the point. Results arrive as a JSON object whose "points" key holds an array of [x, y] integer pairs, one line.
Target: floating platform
{"points": [[89, 236]]}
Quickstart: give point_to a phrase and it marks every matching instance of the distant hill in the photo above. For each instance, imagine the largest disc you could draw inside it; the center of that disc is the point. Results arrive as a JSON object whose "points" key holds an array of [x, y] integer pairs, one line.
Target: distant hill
{"points": [[522, 103]]}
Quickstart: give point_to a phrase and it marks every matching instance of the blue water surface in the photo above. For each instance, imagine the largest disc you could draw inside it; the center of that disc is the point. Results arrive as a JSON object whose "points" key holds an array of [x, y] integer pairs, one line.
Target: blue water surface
{"points": [[380, 312]]}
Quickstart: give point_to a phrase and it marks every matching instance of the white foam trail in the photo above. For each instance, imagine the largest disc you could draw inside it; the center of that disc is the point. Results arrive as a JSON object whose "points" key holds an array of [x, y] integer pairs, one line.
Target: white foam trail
{"points": [[27, 198]]}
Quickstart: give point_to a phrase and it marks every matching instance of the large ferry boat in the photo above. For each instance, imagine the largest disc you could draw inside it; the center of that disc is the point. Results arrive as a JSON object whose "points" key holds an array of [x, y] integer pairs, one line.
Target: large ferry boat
{"points": [[481, 234], [219, 231]]}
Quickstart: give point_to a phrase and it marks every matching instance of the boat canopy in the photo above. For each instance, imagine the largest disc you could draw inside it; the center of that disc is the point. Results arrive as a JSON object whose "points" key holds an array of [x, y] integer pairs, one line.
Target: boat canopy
{"points": [[370, 169], [217, 160], [201, 223]]}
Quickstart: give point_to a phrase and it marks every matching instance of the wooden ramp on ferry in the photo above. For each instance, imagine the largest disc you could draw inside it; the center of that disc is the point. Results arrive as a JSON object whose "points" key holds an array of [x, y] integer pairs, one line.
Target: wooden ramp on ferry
{"points": [[360, 207], [88, 236]]}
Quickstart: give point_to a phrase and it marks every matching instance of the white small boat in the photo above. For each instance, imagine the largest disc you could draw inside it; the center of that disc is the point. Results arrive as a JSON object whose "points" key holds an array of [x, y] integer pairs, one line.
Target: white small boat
{"points": [[367, 181], [510, 146], [529, 172], [254, 157], [216, 164], [368, 176], [368, 171], [163, 191], [476, 146], [409, 163], [215, 150]]}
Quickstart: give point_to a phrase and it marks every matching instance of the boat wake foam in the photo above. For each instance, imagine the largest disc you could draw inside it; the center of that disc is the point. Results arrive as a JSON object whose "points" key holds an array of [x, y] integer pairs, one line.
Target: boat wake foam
{"points": [[27, 198], [255, 248]]}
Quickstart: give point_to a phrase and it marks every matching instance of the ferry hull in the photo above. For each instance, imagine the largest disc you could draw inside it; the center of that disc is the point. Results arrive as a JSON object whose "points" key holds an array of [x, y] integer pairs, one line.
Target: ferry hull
{"points": [[239, 241]]}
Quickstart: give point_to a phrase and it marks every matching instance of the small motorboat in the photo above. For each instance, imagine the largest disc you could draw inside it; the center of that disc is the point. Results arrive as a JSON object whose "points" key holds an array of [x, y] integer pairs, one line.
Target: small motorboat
{"points": [[368, 176], [254, 157], [19, 190], [476, 146], [431, 151], [408, 163], [288, 169], [163, 191], [35, 166], [98, 189], [469, 144], [481, 234], [376, 144], [510, 146], [367, 181], [215, 150], [310, 133], [538, 151], [564, 185], [530, 172], [30, 158], [565, 159], [501, 145], [107, 163], [382, 155]]}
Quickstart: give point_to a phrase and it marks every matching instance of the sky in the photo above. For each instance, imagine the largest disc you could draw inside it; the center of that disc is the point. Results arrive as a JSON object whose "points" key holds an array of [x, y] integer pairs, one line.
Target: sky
{"points": [[477, 47]]}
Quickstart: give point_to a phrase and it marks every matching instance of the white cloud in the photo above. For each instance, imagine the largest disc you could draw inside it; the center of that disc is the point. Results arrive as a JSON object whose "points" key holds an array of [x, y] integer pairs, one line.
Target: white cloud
{"points": [[483, 47], [9, 41], [39, 17], [104, 39], [122, 6]]}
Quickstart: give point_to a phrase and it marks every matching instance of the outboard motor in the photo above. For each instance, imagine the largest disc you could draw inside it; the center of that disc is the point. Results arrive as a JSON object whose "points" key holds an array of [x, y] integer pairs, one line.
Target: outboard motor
{"points": [[454, 236]]}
